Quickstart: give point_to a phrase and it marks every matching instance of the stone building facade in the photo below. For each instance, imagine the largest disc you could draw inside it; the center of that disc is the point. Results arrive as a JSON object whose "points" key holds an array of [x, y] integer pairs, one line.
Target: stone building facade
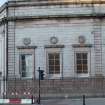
{"points": [[64, 38]]}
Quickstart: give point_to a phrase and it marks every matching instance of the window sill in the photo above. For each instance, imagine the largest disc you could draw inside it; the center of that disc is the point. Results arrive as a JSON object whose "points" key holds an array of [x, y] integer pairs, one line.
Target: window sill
{"points": [[24, 78], [83, 75]]}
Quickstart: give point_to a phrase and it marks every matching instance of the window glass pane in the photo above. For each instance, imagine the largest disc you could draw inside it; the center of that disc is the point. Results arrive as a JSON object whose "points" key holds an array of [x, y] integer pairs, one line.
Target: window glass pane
{"points": [[23, 74], [57, 71], [84, 56], [79, 67], [84, 61], [78, 55], [51, 69], [51, 56], [79, 71], [51, 62], [85, 67], [56, 56], [79, 61], [26, 65], [51, 72], [23, 65], [57, 62], [57, 68], [23, 57]]}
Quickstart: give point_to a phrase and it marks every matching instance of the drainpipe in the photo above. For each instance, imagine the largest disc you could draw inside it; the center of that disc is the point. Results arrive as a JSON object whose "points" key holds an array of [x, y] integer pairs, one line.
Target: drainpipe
{"points": [[6, 35]]}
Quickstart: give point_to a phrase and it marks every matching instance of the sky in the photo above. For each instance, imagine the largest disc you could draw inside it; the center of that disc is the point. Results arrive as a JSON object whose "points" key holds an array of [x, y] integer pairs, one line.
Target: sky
{"points": [[2, 1]]}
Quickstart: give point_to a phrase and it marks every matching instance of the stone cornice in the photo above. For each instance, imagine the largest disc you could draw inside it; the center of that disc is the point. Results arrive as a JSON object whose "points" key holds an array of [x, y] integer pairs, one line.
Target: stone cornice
{"points": [[81, 16]]}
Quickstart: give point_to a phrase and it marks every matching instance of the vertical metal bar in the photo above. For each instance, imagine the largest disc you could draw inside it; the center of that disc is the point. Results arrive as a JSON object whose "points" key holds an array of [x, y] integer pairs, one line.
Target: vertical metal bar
{"points": [[32, 99], [33, 94], [84, 100], [62, 63], [34, 64], [75, 64], [90, 63], [39, 87]]}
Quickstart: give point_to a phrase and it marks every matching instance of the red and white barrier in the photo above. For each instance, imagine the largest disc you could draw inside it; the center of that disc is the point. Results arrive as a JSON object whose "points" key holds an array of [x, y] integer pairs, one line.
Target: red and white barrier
{"points": [[15, 101]]}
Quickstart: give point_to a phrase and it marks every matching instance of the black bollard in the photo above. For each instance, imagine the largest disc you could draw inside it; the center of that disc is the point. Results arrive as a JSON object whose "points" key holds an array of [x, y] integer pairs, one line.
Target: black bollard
{"points": [[84, 100], [32, 99], [38, 101]]}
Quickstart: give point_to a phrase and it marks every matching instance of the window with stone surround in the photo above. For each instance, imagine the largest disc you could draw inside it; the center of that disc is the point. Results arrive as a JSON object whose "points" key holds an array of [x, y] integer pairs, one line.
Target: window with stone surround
{"points": [[27, 61], [82, 62], [26, 65], [54, 63]]}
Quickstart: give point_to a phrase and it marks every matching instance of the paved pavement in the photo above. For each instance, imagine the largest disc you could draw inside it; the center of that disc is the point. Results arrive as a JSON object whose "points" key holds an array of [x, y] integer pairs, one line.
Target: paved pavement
{"points": [[89, 101]]}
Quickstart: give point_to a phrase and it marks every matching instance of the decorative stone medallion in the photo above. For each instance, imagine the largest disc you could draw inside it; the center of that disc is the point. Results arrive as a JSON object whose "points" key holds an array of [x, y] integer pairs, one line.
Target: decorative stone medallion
{"points": [[53, 40], [81, 39], [27, 41]]}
